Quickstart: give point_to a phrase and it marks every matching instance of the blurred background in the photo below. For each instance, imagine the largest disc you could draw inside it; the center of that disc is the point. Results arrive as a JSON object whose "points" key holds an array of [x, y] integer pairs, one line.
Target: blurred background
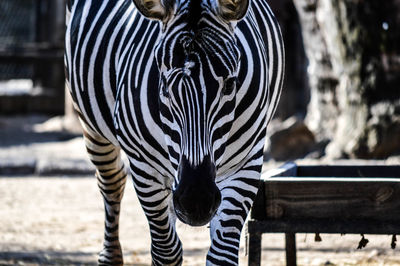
{"points": [[341, 100], [342, 91], [341, 97], [31, 57]]}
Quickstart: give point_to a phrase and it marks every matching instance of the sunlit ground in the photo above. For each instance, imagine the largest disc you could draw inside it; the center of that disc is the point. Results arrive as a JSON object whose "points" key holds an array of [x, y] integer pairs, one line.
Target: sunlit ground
{"points": [[60, 221]]}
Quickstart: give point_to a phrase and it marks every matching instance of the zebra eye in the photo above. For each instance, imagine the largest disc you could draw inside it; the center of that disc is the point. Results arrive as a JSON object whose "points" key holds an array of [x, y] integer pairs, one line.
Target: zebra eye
{"points": [[229, 86]]}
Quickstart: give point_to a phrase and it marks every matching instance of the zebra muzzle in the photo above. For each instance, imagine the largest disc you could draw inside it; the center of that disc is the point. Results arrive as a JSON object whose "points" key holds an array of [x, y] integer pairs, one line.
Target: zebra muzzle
{"points": [[197, 197]]}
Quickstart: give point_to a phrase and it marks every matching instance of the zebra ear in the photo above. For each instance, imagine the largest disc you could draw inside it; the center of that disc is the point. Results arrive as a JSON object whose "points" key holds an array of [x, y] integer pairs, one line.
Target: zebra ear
{"points": [[233, 10], [153, 9]]}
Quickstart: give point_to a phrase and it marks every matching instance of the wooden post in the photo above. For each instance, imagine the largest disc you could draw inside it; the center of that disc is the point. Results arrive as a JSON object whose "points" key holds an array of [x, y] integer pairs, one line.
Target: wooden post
{"points": [[290, 249], [254, 249]]}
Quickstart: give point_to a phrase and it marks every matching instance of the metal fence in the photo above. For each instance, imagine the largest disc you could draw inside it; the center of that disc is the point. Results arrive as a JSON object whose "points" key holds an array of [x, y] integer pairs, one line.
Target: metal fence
{"points": [[31, 47], [17, 27]]}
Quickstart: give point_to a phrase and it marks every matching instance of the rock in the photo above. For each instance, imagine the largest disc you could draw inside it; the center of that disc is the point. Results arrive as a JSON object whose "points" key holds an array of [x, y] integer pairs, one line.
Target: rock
{"points": [[67, 167], [379, 138], [289, 140], [67, 124]]}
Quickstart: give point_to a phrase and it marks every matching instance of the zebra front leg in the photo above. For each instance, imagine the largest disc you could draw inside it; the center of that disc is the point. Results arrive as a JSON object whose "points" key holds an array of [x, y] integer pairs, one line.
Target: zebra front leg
{"points": [[225, 228], [156, 198], [111, 178]]}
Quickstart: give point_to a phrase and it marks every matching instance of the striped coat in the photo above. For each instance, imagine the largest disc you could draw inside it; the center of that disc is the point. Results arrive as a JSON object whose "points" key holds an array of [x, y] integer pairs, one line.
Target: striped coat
{"points": [[186, 90]]}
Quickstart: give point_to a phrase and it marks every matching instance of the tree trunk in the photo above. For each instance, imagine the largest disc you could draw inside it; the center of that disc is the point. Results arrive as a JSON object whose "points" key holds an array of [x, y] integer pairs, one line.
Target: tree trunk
{"points": [[354, 75], [295, 93]]}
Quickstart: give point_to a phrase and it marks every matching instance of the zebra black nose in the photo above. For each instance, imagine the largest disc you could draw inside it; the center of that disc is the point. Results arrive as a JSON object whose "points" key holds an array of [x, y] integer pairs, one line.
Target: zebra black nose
{"points": [[197, 197]]}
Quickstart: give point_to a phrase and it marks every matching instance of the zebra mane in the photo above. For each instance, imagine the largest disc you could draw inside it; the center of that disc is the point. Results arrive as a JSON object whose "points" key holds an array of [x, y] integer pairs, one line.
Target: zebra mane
{"points": [[194, 14]]}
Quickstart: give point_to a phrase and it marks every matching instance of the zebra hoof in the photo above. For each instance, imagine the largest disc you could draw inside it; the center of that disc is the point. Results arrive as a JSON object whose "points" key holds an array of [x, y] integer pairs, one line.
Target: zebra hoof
{"points": [[111, 256]]}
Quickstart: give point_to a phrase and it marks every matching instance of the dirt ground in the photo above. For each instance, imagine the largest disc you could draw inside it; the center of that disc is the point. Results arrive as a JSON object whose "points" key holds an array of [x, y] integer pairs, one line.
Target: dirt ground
{"points": [[59, 221]]}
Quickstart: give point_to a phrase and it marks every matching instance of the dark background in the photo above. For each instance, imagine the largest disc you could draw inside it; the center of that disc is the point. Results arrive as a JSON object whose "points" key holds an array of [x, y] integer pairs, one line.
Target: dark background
{"points": [[341, 97]]}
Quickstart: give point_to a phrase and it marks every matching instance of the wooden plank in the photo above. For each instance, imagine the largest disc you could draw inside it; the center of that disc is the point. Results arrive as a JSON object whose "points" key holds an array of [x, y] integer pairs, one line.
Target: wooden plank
{"points": [[330, 179], [258, 208], [43, 45], [31, 56], [32, 52], [302, 199], [25, 104], [330, 226], [288, 169], [349, 171]]}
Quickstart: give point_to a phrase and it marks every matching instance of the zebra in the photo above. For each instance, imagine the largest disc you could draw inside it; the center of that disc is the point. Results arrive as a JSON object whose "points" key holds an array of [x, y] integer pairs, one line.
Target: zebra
{"points": [[185, 88]]}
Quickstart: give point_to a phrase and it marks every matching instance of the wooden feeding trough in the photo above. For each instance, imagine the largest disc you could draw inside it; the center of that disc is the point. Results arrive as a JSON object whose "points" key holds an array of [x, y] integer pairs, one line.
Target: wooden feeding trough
{"points": [[348, 199]]}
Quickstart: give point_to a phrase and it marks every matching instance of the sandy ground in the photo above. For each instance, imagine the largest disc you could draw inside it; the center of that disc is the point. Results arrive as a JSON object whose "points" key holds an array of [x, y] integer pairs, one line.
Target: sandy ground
{"points": [[59, 221]]}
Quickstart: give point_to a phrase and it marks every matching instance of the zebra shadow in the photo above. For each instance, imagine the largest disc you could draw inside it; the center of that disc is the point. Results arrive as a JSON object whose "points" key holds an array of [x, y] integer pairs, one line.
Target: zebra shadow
{"points": [[24, 130], [40, 257]]}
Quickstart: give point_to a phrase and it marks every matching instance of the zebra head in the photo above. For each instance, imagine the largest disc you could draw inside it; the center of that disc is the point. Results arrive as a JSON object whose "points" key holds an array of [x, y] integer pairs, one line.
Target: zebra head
{"points": [[198, 61]]}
